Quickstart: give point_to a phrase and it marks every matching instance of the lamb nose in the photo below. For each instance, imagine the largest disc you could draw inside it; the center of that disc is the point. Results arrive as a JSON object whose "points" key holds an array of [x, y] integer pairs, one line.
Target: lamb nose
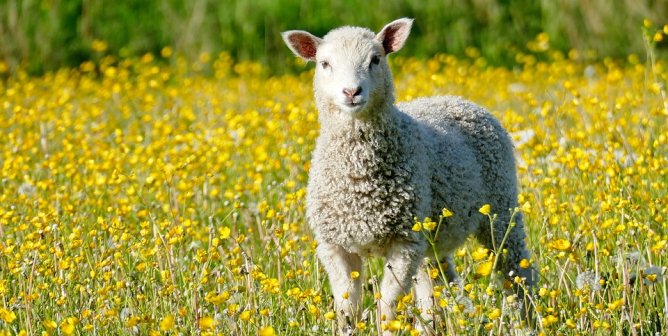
{"points": [[352, 92]]}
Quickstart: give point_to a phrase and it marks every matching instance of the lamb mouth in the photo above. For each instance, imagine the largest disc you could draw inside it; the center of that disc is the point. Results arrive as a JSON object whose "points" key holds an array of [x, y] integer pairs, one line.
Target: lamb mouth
{"points": [[354, 104]]}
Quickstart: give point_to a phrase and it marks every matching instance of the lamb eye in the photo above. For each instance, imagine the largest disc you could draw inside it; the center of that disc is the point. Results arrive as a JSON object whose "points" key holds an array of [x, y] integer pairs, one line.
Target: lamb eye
{"points": [[324, 64], [375, 60]]}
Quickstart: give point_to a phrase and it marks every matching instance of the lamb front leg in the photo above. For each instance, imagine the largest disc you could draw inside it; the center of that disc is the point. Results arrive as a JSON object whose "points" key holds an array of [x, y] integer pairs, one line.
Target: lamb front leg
{"points": [[424, 300], [339, 265], [403, 259]]}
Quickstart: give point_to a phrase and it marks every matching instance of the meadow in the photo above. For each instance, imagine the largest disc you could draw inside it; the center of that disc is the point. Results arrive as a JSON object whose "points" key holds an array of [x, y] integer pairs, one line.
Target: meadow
{"points": [[155, 195]]}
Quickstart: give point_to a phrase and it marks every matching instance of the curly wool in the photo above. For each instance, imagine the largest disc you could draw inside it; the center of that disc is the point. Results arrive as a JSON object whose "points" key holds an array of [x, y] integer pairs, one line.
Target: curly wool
{"points": [[366, 186], [371, 179], [472, 163]]}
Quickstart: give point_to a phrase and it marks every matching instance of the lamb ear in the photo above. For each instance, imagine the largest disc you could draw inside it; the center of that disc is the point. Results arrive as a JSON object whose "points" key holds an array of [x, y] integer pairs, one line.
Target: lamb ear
{"points": [[394, 34], [302, 43]]}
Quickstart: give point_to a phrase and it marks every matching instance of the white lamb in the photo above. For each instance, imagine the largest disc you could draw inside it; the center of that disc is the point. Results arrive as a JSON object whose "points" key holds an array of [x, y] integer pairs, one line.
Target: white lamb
{"points": [[376, 167]]}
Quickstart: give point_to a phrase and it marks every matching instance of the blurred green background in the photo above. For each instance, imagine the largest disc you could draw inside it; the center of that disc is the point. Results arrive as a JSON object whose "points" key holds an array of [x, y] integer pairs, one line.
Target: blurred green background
{"points": [[42, 35]]}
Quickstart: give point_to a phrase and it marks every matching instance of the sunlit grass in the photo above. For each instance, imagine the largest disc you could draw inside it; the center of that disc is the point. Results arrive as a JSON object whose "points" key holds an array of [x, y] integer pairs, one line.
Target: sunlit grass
{"points": [[137, 198]]}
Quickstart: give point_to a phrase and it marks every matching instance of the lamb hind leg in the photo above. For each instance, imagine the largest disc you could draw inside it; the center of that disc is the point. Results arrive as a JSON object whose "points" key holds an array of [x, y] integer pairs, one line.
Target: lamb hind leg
{"points": [[450, 271], [516, 246], [339, 265]]}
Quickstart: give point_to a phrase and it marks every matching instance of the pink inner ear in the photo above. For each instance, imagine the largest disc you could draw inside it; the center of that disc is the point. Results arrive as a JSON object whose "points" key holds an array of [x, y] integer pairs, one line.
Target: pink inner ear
{"points": [[394, 36], [304, 45], [391, 42]]}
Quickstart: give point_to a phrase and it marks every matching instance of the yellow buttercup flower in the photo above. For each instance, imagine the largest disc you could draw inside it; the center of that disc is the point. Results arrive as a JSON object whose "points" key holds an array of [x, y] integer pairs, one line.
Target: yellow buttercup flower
{"points": [[428, 224], [446, 213], [68, 325], [330, 315], [484, 269], [167, 323], [394, 325], [480, 254], [267, 331], [245, 315], [560, 244], [207, 323], [49, 324], [485, 209], [7, 315]]}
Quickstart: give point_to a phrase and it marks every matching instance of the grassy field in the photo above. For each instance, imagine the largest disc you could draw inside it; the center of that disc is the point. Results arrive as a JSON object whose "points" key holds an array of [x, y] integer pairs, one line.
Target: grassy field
{"points": [[141, 198]]}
